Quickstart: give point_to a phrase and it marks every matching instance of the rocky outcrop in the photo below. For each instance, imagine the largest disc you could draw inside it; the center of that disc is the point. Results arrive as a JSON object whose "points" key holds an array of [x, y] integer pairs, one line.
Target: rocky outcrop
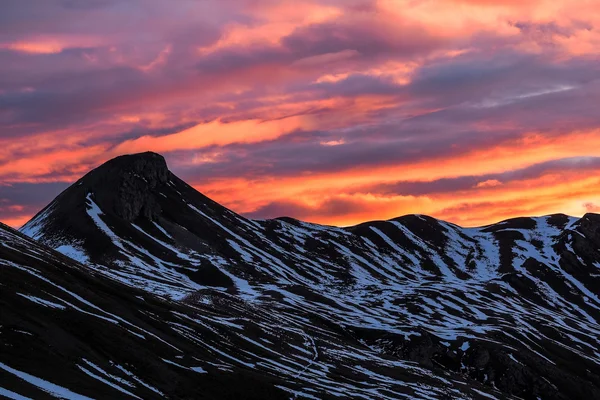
{"points": [[127, 185]]}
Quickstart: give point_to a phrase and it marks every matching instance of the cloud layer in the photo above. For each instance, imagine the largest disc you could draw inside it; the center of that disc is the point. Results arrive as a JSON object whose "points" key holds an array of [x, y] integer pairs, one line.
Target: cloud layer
{"points": [[334, 111]]}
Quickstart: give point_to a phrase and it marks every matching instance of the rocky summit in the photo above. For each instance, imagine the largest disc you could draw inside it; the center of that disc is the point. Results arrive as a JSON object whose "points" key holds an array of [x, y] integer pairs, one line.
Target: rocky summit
{"points": [[131, 284]]}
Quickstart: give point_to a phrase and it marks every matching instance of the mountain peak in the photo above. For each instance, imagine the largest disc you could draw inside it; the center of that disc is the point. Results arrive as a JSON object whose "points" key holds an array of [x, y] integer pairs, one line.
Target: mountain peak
{"points": [[148, 165], [147, 156], [125, 185]]}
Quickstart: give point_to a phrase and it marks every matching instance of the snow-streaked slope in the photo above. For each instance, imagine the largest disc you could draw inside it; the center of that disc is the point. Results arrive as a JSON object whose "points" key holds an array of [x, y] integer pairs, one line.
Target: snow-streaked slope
{"points": [[70, 333], [513, 306]]}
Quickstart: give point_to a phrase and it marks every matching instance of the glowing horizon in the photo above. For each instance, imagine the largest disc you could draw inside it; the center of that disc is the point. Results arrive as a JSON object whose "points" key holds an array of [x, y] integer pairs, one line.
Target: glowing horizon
{"points": [[329, 111]]}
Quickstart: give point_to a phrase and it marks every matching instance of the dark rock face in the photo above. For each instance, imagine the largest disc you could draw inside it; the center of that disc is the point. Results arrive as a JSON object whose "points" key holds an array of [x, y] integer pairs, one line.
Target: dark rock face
{"points": [[127, 185], [589, 225]]}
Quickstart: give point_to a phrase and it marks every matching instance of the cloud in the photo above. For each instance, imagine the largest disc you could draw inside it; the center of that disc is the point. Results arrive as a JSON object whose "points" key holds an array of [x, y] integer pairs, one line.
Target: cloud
{"points": [[333, 143], [489, 183], [211, 134], [332, 207], [494, 181], [336, 110], [591, 207], [18, 202]]}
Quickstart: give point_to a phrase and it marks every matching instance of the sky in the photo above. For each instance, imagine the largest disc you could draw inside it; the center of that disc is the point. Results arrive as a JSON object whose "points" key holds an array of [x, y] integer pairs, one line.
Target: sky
{"points": [[330, 111]]}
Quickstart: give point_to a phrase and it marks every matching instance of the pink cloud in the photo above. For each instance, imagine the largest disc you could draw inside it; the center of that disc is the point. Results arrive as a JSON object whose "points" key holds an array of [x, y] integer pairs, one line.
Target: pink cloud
{"points": [[591, 207], [489, 183]]}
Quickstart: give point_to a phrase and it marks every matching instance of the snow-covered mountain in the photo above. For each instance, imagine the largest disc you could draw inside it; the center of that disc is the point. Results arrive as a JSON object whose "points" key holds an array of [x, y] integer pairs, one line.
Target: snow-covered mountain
{"points": [[407, 308]]}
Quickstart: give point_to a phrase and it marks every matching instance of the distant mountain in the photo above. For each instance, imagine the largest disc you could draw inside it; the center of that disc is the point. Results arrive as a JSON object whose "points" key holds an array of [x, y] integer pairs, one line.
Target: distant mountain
{"points": [[407, 308]]}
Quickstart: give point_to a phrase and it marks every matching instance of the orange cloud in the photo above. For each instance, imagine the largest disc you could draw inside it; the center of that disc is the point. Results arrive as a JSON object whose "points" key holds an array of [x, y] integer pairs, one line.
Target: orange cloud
{"points": [[45, 44], [34, 47], [489, 183], [541, 196], [17, 221], [545, 194], [215, 133]]}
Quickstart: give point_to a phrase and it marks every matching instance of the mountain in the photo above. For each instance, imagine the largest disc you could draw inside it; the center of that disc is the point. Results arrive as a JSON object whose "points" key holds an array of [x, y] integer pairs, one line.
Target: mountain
{"points": [[412, 307], [71, 333]]}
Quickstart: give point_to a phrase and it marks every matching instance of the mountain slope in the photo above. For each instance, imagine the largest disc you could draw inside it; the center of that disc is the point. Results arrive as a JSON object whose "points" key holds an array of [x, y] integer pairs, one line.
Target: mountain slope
{"points": [[72, 334], [513, 306]]}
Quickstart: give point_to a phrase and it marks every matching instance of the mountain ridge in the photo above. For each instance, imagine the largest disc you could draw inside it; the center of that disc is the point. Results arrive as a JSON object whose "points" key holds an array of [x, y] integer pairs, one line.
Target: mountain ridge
{"points": [[512, 306], [156, 159]]}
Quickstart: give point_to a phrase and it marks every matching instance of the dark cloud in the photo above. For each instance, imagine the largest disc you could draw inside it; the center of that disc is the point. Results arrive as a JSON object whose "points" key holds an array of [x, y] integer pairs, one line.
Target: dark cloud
{"points": [[503, 78], [141, 130], [358, 85], [370, 35], [329, 207], [87, 4], [72, 98], [27, 198], [367, 37], [546, 33]]}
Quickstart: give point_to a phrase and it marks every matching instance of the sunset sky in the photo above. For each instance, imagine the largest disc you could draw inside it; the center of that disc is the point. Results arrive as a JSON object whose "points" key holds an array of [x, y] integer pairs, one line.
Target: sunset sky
{"points": [[331, 111]]}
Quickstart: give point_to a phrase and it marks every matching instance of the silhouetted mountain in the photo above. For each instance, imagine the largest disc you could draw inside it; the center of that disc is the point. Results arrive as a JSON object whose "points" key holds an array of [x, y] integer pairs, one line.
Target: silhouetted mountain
{"points": [[412, 307]]}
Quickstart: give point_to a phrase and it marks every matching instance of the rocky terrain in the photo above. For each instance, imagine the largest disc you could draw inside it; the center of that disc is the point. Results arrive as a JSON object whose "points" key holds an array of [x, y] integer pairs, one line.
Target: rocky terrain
{"points": [[133, 284]]}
